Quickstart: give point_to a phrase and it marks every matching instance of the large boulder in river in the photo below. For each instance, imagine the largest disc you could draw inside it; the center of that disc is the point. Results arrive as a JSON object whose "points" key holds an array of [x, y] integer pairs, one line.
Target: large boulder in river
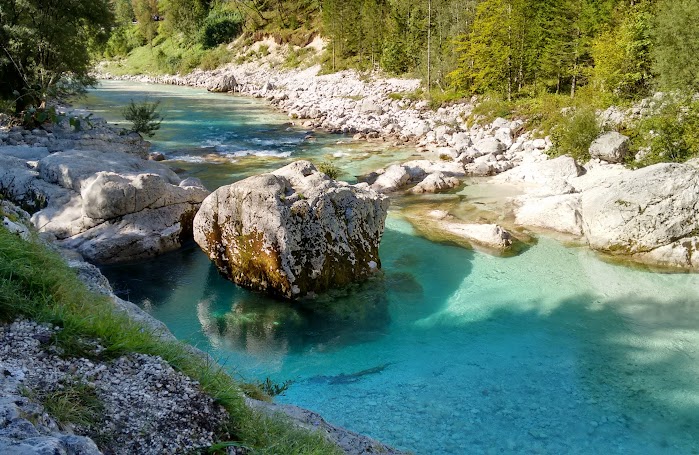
{"points": [[650, 214], [222, 84], [293, 232]]}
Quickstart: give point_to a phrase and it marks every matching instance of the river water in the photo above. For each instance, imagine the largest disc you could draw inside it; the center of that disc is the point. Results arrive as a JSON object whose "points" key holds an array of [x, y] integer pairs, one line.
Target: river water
{"points": [[453, 351]]}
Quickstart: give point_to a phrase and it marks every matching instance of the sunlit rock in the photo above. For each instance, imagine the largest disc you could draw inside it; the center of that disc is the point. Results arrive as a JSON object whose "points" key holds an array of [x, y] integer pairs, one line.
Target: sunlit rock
{"points": [[293, 232], [109, 206], [650, 214]]}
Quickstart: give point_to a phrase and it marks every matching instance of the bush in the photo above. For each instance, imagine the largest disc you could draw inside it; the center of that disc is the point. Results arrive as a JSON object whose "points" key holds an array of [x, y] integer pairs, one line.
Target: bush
{"points": [[575, 133], [329, 169], [220, 27], [669, 135], [144, 116]]}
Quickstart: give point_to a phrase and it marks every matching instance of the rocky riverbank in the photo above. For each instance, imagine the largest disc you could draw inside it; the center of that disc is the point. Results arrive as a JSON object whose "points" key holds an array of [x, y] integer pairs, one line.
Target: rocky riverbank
{"points": [[375, 108], [82, 192]]}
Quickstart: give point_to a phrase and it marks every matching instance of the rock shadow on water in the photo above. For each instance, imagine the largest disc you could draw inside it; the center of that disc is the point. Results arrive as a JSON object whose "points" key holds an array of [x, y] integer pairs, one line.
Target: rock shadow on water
{"points": [[257, 324]]}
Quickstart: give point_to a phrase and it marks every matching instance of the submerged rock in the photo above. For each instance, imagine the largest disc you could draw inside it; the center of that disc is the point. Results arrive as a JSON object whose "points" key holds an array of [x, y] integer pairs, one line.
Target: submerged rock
{"points": [[293, 232]]}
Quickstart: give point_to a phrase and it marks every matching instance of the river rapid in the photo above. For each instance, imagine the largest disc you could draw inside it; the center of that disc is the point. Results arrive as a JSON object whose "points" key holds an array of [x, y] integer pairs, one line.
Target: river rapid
{"points": [[452, 351]]}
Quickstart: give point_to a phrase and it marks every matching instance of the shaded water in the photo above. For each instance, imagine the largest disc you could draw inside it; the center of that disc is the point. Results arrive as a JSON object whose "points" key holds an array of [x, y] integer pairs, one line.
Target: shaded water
{"points": [[452, 351]]}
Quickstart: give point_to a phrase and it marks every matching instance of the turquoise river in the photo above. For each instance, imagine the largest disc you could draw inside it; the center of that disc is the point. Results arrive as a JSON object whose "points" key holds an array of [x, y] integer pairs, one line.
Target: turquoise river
{"points": [[452, 351]]}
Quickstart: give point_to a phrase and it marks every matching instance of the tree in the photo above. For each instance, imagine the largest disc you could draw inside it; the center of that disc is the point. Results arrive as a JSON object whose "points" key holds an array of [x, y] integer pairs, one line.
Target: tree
{"points": [[144, 11], [185, 17], [45, 46], [622, 53], [492, 51], [677, 44]]}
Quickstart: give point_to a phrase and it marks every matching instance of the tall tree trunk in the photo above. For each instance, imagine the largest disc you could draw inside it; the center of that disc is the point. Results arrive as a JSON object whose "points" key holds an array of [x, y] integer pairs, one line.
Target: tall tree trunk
{"points": [[429, 43]]}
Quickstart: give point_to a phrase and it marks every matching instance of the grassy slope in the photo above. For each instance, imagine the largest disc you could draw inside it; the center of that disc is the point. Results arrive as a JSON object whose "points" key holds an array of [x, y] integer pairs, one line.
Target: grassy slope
{"points": [[37, 284]]}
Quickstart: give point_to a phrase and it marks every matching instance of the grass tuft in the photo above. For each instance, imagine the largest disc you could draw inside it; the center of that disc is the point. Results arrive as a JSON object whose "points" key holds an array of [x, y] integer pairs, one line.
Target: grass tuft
{"points": [[37, 284]]}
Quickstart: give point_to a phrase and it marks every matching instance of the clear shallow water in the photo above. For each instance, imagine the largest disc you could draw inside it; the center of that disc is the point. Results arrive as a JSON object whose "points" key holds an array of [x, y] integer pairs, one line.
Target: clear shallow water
{"points": [[455, 352]]}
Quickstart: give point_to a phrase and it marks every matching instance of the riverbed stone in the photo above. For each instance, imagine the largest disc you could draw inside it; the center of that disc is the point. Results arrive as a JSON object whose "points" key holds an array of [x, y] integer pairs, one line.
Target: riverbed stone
{"points": [[293, 232], [649, 214], [561, 213], [611, 147], [222, 84]]}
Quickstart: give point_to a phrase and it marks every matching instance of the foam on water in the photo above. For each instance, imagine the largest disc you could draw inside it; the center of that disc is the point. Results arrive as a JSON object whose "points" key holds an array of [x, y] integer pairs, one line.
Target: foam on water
{"points": [[452, 351]]}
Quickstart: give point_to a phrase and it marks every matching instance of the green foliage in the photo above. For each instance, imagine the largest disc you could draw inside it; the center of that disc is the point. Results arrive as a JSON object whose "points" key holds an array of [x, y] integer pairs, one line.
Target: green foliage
{"points": [[517, 43], [220, 26], [33, 117], [329, 169], [144, 11], [184, 18], [36, 283], [622, 53], [489, 108], [677, 44], [575, 133], [273, 389], [73, 403], [46, 47], [144, 116], [669, 135]]}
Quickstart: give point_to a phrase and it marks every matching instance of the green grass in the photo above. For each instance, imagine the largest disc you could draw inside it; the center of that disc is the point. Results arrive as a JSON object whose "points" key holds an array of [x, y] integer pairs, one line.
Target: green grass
{"points": [[166, 56], [76, 403], [37, 284]]}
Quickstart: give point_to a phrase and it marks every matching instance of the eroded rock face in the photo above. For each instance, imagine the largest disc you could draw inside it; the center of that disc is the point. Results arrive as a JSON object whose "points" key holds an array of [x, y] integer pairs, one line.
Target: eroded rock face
{"points": [[109, 206], [651, 214], [293, 232]]}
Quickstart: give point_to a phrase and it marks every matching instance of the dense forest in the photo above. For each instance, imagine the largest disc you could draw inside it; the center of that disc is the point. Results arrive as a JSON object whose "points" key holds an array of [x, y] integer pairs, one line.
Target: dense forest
{"points": [[614, 50], [624, 48]]}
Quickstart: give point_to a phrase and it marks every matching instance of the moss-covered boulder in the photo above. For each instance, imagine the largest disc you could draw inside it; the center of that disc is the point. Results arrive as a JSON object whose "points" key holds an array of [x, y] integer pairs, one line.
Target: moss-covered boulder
{"points": [[294, 232]]}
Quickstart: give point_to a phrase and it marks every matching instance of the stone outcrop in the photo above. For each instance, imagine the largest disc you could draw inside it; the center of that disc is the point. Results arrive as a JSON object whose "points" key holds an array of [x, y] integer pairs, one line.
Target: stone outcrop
{"points": [[560, 213], [109, 206], [651, 214], [222, 84], [427, 176], [611, 147], [293, 232]]}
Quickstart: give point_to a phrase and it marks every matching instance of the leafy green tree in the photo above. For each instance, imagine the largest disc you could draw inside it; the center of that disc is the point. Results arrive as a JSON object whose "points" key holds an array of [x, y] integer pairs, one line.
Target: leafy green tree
{"points": [[491, 51], [676, 47], [185, 17], [144, 11], [45, 46], [622, 53]]}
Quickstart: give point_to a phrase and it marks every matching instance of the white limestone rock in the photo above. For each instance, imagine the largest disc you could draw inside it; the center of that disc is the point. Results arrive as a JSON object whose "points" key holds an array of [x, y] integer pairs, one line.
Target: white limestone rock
{"points": [[650, 214], [611, 147], [222, 84], [435, 183], [559, 213], [548, 177], [490, 236], [293, 232]]}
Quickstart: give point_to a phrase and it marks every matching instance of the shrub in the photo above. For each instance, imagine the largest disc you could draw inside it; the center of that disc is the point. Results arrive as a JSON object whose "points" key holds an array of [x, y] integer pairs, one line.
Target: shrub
{"points": [[144, 116], [329, 169], [220, 27], [669, 135], [33, 117], [575, 133]]}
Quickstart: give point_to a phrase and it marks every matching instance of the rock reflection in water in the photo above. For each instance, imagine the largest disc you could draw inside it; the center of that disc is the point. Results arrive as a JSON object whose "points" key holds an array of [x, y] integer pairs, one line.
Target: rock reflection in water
{"points": [[264, 327]]}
